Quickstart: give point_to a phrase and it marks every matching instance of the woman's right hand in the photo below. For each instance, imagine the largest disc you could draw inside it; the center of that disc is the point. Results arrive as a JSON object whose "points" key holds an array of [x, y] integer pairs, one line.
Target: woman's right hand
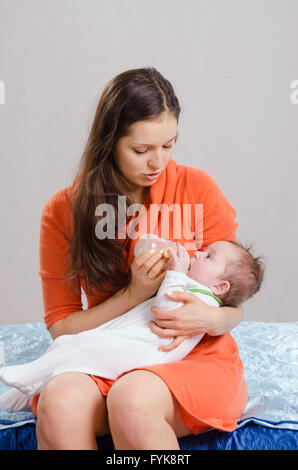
{"points": [[147, 273]]}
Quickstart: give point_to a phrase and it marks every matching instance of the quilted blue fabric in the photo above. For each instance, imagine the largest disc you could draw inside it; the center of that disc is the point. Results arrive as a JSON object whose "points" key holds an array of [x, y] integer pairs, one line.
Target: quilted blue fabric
{"points": [[249, 437], [269, 422]]}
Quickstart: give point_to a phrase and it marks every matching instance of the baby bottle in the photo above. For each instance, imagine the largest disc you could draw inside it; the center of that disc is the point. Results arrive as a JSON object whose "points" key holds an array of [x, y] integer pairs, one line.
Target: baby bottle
{"points": [[150, 241]]}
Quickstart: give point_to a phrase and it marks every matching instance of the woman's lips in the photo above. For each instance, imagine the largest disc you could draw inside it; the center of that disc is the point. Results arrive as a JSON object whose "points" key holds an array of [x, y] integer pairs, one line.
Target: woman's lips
{"points": [[152, 176]]}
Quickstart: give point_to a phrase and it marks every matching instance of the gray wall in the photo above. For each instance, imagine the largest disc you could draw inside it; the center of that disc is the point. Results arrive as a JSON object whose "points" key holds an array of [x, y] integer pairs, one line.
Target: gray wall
{"points": [[232, 64]]}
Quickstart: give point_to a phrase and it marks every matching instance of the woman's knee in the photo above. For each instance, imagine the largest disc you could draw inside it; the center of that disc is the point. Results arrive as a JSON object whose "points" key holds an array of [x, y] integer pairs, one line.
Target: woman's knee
{"points": [[140, 399], [137, 396], [60, 394], [68, 402], [128, 395]]}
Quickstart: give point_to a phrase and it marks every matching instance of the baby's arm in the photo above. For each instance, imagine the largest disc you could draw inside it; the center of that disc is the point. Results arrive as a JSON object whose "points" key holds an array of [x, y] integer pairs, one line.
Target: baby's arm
{"points": [[175, 279]]}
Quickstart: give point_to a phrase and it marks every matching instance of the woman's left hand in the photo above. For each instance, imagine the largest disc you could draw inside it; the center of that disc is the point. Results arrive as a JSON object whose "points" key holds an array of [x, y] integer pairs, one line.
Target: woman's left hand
{"points": [[195, 317]]}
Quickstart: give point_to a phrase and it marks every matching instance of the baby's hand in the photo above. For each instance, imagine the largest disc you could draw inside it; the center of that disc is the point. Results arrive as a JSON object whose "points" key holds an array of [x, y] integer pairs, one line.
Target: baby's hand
{"points": [[180, 260]]}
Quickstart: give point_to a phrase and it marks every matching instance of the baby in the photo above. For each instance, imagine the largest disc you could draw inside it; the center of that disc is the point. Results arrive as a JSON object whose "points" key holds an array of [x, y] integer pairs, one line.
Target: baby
{"points": [[225, 273], [228, 269]]}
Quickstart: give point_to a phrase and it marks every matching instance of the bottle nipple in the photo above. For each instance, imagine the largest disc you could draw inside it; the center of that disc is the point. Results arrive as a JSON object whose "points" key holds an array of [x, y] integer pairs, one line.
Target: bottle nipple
{"points": [[166, 251]]}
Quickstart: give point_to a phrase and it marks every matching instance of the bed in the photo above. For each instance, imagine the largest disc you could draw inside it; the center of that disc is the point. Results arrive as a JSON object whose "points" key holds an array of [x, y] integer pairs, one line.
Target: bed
{"points": [[269, 421]]}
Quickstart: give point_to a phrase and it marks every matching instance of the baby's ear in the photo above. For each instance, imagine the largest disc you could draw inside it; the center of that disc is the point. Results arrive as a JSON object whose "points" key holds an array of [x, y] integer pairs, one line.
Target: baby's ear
{"points": [[221, 288]]}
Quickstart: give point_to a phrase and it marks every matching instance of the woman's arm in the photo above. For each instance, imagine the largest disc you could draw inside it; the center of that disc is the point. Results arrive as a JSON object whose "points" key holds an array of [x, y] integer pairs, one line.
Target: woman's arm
{"points": [[113, 307], [225, 319], [141, 288], [193, 318]]}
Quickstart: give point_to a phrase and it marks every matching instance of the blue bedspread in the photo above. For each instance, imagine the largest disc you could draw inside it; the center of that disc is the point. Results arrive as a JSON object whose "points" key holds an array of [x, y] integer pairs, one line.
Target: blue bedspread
{"points": [[270, 420]]}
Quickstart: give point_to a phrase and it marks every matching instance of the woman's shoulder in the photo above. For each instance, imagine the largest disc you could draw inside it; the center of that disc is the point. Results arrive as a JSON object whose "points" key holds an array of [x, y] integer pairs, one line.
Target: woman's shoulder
{"points": [[60, 198], [196, 179], [198, 186], [57, 210]]}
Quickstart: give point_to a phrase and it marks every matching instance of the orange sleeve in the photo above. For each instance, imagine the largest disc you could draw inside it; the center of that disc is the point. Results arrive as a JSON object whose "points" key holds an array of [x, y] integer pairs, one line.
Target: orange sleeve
{"points": [[58, 299], [219, 216]]}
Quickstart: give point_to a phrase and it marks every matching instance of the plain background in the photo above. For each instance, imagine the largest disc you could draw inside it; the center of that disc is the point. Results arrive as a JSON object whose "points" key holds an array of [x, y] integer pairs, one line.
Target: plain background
{"points": [[231, 63]]}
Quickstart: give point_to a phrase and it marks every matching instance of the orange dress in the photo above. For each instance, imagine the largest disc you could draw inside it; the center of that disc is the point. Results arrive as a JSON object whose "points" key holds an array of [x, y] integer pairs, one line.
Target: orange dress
{"points": [[208, 383]]}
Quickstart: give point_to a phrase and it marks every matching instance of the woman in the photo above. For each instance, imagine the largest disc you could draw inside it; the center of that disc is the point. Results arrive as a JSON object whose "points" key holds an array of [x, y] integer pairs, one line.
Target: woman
{"points": [[128, 153]]}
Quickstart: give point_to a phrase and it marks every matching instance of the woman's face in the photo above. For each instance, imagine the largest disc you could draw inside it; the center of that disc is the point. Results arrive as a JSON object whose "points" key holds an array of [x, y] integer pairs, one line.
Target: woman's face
{"points": [[146, 150]]}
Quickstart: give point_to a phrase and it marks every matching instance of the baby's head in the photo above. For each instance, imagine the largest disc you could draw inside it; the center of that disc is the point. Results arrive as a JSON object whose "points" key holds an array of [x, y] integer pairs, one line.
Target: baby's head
{"points": [[229, 270]]}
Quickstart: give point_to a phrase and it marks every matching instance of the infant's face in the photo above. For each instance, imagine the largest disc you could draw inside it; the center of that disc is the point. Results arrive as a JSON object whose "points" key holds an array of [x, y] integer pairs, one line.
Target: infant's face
{"points": [[208, 266]]}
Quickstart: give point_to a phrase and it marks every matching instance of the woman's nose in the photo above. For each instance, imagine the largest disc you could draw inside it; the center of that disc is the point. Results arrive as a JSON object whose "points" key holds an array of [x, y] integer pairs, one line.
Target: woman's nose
{"points": [[156, 160]]}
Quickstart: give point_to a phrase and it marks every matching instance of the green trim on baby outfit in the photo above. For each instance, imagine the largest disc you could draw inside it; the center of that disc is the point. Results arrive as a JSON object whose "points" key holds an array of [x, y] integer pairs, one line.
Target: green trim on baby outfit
{"points": [[207, 292]]}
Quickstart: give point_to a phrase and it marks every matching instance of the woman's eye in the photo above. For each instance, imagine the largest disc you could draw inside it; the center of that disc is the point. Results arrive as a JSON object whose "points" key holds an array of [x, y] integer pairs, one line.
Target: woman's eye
{"points": [[208, 256], [164, 146]]}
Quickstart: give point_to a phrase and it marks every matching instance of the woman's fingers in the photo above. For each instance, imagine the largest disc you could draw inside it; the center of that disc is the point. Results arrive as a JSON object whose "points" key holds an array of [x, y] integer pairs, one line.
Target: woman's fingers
{"points": [[191, 318], [168, 314], [173, 344], [154, 262], [172, 332], [186, 297], [168, 324], [163, 332], [147, 259]]}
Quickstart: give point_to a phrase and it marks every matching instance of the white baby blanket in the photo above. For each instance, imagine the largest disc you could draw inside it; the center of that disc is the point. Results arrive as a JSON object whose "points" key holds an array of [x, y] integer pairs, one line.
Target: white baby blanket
{"points": [[109, 350]]}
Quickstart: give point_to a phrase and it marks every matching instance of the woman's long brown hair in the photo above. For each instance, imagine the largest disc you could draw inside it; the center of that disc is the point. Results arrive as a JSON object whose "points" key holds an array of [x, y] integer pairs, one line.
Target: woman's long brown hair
{"points": [[132, 96]]}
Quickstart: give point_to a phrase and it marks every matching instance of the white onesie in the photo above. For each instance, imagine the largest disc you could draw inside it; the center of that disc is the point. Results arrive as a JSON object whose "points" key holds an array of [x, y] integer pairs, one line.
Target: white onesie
{"points": [[122, 344]]}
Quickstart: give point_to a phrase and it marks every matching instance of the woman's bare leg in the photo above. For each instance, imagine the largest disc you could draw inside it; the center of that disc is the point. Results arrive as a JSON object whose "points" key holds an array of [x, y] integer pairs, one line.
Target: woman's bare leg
{"points": [[143, 414], [71, 411]]}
